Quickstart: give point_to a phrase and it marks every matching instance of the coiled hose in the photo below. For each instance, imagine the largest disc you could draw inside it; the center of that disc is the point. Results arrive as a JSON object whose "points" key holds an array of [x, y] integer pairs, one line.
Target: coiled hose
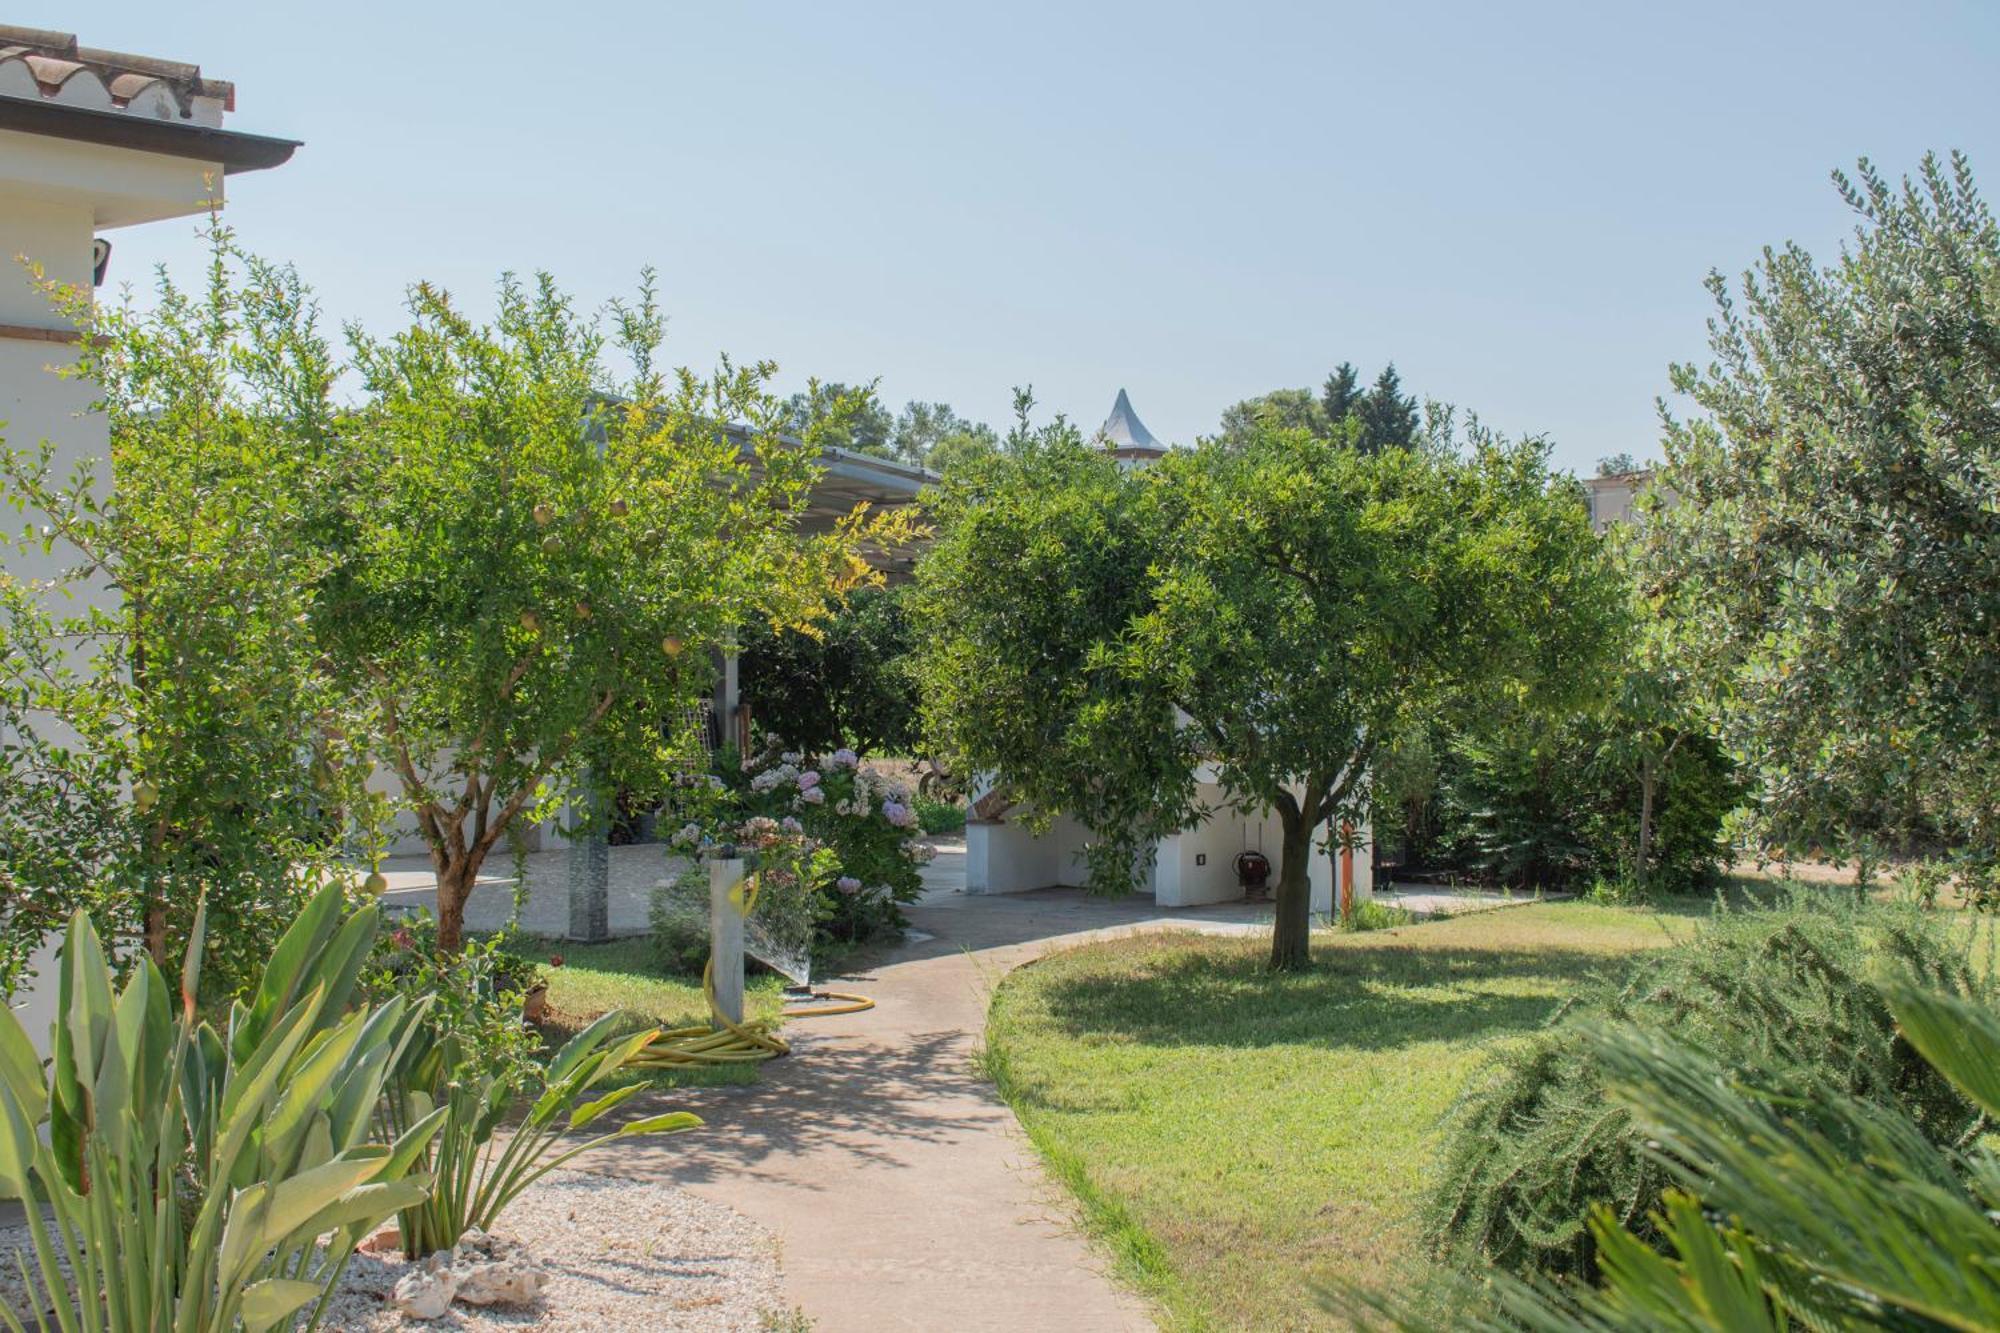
{"points": [[723, 1042]]}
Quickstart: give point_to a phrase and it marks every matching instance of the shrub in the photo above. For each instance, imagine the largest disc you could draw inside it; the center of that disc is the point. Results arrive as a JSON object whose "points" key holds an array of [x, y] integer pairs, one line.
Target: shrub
{"points": [[847, 832], [1849, 1218], [1547, 807], [1368, 914], [935, 817], [1784, 993], [680, 937], [205, 1181]]}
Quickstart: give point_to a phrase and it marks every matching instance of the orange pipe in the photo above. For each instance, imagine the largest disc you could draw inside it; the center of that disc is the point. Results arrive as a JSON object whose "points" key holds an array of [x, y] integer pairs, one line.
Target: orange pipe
{"points": [[1346, 870]]}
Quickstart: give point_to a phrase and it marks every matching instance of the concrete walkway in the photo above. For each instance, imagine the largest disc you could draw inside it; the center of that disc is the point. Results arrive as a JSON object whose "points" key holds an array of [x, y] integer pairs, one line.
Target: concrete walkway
{"points": [[901, 1189]]}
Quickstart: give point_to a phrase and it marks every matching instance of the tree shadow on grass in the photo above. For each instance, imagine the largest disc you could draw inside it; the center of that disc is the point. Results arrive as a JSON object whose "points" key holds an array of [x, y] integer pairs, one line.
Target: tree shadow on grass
{"points": [[1361, 998]]}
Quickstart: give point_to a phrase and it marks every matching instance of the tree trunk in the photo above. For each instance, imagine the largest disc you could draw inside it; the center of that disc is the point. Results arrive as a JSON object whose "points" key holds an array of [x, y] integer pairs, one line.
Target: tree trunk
{"points": [[1649, 781], [455, 882], [1291, 932]]}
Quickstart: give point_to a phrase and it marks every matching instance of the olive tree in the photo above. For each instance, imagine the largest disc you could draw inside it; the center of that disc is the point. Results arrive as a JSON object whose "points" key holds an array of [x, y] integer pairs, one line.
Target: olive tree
{"points": [[1827, 530], [1274, 609], [537, 557]]}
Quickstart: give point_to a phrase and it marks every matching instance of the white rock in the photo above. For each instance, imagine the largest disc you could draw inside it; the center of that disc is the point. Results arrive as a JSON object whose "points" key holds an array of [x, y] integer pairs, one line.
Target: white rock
{"points": [[426, 1293], [503, 1282]]}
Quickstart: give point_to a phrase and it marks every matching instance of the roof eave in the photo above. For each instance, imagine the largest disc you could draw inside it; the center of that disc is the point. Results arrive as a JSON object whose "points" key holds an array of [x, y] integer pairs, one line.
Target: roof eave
{"points": [[234, 151]]}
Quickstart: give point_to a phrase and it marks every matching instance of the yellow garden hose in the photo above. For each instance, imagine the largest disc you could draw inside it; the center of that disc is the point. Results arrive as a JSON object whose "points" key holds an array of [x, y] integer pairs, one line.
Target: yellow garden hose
{"points": [[723, 1042]]}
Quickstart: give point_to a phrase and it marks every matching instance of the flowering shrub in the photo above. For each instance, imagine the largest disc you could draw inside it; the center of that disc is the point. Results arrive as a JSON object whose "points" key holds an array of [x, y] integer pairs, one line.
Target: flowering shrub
{"points": [[849, 835]]}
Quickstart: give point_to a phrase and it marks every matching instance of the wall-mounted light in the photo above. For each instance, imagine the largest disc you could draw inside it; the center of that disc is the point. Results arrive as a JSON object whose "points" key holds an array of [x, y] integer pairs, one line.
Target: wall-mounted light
{"points": [[100, 260]]}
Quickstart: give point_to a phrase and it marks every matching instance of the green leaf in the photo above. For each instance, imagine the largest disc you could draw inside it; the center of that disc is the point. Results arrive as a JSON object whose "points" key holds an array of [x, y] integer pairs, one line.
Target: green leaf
{"points": [[1959, 1037], [267, 1302], [581, 1116]]}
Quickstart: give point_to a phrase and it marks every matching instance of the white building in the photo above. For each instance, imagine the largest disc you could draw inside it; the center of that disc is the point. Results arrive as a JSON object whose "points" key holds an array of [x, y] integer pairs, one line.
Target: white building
{"points": [[1186, 869], [90, 141]]}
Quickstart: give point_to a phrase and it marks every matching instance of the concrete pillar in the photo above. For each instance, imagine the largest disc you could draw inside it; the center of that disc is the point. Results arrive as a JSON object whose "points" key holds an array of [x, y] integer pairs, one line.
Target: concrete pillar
{"points": [[725, 936], [590, 863]]}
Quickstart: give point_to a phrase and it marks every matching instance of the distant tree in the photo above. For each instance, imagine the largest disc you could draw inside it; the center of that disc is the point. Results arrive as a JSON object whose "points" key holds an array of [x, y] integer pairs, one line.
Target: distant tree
{"points": [[1284, 409], [1277, 608], [843, 417], [1389, 417], [932, 435], [1341, 396], [1833, 546], [1616, 465], [1370, 420]]}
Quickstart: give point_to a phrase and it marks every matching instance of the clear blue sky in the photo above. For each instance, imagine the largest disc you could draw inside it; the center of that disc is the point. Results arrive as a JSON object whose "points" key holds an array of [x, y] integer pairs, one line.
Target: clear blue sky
{"points": [[1516, 203]]}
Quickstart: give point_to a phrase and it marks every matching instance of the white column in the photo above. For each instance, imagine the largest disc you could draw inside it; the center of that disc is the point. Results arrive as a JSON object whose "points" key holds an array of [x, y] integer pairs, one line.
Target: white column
{"points": [[725, 937]]}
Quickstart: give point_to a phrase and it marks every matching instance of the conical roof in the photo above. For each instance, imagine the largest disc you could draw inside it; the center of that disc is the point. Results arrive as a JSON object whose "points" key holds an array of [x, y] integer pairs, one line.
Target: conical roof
{"points": [[1125, 435]]}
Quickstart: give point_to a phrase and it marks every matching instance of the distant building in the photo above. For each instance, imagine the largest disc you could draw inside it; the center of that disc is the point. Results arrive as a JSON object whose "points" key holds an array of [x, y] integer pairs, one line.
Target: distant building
{"points": [[1127, 437], [1611, 498]]}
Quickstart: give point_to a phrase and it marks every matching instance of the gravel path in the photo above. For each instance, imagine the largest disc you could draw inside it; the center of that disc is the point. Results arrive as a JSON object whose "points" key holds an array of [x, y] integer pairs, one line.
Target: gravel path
{"points": [[623, 1256]]}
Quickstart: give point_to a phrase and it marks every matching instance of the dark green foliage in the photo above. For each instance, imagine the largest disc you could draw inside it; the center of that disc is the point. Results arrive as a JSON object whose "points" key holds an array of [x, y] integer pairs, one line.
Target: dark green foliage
{"points": [[850, 686], [1788, 994], [1388, 415], [1554, 807], [940, 816], [1372, 419]]}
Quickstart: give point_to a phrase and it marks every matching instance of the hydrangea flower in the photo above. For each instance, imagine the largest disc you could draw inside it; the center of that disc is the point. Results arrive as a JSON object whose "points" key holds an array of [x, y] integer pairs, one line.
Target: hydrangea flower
{"points": [[790, 758], [813, 796], [848, 884], [898, 814], [809, 778], [790, 824], [843, 758]]}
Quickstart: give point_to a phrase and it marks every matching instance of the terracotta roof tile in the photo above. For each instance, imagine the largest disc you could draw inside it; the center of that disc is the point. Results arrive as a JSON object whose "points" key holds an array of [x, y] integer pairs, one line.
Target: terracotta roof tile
{"points": [[60, 70]]}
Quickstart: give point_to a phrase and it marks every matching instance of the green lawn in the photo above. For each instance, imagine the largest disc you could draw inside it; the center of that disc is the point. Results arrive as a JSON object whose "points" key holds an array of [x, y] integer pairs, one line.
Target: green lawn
{"points": [[1237, 1137], [595, 979]]}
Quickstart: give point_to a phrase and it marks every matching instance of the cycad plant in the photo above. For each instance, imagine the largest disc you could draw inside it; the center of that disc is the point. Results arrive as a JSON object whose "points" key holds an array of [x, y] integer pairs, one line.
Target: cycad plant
{"points": [[183, 1180], [1840, 1214]]}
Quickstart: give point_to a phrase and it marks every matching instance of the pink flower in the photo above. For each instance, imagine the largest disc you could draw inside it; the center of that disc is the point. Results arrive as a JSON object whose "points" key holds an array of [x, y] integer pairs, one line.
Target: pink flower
{"points": [[898, 814], [813, 796], [848, 884], [809, 778]]}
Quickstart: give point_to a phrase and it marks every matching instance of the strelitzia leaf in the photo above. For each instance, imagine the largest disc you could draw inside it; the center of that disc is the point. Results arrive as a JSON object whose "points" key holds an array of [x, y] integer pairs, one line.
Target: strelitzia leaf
{"points": [[267, 1302], [582, 1115]]}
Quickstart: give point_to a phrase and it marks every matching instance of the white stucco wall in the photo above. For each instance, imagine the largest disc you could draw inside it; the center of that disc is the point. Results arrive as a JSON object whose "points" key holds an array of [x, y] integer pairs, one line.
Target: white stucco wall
{"points": [[1189, 869], [56, 195]]}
